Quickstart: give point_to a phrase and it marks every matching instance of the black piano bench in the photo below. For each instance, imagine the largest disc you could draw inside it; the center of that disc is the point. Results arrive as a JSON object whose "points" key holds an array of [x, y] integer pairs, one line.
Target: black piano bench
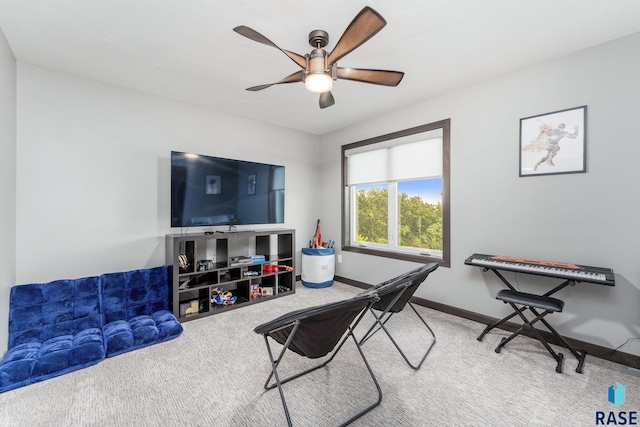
{"points": [[534, 303], [531, 300]]}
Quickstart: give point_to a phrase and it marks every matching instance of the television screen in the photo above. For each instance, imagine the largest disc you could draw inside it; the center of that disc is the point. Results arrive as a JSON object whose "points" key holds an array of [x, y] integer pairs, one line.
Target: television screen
{"points": [[209, 191]]}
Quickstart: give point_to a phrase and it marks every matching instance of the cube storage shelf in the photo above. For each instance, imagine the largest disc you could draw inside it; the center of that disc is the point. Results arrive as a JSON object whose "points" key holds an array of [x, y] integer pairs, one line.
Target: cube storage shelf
{"points": [[202, 265]]}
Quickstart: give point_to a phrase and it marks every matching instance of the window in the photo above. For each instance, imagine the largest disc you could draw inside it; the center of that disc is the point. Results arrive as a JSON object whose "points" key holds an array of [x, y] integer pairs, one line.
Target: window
{"points": [[396, 195]]}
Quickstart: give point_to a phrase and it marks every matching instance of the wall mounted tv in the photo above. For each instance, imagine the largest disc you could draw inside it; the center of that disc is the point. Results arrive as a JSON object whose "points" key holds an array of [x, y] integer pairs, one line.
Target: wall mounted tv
{"points": [[210, 191]]}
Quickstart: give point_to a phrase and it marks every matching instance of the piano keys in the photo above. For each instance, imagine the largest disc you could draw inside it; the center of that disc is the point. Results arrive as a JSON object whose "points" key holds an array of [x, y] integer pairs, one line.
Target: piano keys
{"points": [[560, 270]]}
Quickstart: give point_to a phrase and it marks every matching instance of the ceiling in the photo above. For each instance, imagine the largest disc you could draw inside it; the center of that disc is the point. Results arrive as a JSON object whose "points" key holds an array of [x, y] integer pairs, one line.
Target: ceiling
{"points": [[186, 50]]}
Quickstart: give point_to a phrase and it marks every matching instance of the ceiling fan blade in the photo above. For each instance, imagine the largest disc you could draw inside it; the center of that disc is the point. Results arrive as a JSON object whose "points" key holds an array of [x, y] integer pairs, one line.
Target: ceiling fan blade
{"points": [[292, 78], [326, 100], [378, 77], [364, 26], [257, 37]]}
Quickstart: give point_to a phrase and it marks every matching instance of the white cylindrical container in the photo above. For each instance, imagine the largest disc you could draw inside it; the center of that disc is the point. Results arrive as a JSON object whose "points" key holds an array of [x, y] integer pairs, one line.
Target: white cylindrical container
{"points": [[318, 267]]}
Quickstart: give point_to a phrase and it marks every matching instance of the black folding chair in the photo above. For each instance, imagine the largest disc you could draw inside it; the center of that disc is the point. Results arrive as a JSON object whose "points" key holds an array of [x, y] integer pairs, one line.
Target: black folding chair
{"points": [[314, 333], [394, 295]]}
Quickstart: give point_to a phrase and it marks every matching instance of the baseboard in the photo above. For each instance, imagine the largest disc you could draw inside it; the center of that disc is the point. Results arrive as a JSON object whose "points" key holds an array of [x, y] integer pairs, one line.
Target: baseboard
{"points": [[591, 349]]}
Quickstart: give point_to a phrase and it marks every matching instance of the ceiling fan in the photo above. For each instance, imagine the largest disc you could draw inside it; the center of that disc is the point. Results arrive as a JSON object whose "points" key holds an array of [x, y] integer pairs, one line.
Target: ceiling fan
{"points": [[320, 69]]}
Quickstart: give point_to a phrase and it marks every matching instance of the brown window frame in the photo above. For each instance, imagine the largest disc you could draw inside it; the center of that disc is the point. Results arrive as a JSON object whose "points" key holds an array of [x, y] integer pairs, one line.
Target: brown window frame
{"points": [[445, 261]]}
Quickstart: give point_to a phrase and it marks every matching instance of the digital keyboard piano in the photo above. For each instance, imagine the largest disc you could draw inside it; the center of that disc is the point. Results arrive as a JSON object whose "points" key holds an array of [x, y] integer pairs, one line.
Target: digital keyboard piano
{"points": [[570, 275], [560, 270]]}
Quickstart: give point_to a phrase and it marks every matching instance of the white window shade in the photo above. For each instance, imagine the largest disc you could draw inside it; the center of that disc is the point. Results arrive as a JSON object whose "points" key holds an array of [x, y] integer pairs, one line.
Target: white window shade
{"points": [[414, 160], [371, 166]]}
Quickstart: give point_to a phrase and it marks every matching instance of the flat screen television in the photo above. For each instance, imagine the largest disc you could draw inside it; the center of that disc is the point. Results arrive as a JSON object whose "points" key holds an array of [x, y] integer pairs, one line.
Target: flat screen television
{"points": [[210, 191]]}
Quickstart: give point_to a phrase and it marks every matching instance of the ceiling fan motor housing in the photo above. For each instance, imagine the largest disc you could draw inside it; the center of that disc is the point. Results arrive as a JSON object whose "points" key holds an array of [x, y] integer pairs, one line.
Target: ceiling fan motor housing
{"points": [[318, 38]]}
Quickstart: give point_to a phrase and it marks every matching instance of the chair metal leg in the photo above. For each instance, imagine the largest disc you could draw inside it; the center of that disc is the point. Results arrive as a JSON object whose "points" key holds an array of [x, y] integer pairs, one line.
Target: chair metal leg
{"points": [[278, 382], [384, 313], [375, 381], [274, 372], [381, 325], [433, 336], [371, 332], [276, 362], [313, 368]]}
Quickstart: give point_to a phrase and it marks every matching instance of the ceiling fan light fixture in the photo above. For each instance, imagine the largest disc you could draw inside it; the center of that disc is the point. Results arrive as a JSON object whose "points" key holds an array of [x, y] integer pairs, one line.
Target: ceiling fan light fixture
{"points": [[318, 82]]}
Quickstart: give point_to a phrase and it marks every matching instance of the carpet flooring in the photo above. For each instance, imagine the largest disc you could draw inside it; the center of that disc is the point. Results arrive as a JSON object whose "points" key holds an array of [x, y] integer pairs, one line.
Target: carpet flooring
{"points": [[213, 375]]}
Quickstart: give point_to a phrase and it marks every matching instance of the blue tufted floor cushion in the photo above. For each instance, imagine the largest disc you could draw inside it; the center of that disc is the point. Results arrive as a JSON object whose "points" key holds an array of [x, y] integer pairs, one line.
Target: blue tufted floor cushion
{"points": [[16, 366], [136, 314], [54, 328], [65, 325]]}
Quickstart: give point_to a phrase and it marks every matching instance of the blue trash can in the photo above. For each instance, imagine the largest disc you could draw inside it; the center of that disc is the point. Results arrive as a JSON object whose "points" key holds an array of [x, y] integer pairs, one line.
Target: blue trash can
{"points": [[318, 267]]}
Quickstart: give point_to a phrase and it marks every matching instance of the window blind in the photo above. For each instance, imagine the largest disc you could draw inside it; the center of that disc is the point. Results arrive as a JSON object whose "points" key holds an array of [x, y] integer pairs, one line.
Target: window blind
{"points": [[409, 160]]}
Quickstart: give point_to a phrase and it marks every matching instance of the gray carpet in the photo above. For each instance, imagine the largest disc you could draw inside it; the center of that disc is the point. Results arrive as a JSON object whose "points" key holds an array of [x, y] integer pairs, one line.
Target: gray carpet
{"points": [[213, 375]]}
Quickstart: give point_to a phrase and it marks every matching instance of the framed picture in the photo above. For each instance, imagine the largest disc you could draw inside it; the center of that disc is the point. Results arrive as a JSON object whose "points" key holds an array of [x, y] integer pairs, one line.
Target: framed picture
{"points": [[554, 143], [251, 184], [213, 184]]}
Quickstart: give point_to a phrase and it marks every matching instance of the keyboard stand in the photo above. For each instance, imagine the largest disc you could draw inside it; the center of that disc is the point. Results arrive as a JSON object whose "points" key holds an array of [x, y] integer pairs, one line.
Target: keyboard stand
{"points": [[519, 312]]}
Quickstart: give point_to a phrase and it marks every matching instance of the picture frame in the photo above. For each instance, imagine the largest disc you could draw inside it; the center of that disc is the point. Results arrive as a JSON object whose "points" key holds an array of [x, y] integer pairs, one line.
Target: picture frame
{"points": [[251, 184], [213, 184], [554, 143]]}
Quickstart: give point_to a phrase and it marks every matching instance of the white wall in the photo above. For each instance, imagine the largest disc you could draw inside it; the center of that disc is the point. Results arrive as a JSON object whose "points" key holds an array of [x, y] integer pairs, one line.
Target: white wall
{"points": [[93, 181], [7, 185], [93, 172], [589, 219]]}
